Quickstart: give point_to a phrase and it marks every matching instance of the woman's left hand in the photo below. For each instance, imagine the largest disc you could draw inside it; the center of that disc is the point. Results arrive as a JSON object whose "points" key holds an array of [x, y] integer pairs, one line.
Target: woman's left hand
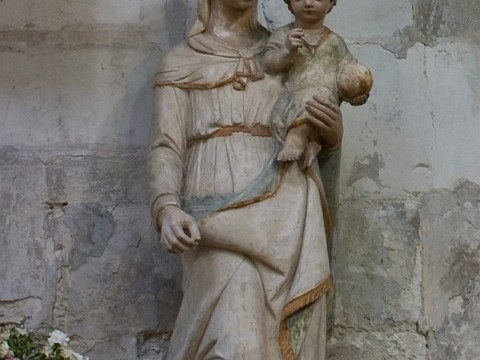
{"points": [[327, 119]]}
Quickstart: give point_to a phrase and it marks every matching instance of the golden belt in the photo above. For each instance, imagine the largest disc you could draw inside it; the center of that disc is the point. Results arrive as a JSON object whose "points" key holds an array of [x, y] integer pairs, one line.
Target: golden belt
{"points": [[257, 130]]}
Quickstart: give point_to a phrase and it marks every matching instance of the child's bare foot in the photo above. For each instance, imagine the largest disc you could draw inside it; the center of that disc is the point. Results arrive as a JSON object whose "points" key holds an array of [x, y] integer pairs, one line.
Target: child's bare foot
{"points": [[294, 147], [289, 154], [311, 152]]}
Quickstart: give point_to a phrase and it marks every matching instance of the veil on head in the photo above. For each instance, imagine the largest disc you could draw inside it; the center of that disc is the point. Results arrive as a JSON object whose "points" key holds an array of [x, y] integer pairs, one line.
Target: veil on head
{"points": [[203, 17], [203, 13]]}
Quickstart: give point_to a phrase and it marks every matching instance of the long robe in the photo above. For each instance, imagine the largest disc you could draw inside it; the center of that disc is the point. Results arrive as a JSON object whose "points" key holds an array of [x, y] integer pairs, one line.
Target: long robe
{"points": [[263, 256]]}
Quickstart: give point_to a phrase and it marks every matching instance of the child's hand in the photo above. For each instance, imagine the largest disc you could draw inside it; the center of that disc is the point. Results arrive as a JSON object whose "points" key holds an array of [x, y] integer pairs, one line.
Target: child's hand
{"points": [[294, 40]]}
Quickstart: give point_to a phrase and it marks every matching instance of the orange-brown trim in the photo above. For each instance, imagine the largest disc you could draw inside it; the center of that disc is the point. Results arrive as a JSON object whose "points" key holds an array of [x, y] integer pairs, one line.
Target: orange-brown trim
{"points": [[286, 347], [317, 292], [318, 182], [257, 130], [298, 122], [292, 307], [194, 86], [259, 198], [323, 199]]}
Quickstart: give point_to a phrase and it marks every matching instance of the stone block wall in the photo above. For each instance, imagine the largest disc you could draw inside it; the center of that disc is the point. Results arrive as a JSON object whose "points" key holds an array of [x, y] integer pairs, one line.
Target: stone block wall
{"points": [[77, 251], [407, 253]]}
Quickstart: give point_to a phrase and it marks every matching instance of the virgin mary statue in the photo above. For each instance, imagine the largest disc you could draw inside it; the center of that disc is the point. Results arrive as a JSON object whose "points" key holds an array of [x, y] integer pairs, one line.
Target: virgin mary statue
{"points": [[252, 234]]}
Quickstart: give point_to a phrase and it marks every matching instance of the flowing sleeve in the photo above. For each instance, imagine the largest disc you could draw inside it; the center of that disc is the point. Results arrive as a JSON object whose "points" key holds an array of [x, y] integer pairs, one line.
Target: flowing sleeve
{"points": [[277, 39], [275, 59], [167, 149], [344, 55], [338, 50]]}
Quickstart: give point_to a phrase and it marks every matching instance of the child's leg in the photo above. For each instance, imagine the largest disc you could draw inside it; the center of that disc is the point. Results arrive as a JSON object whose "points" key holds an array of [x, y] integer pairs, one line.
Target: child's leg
{"points": [[310, 155], [295, 143]]}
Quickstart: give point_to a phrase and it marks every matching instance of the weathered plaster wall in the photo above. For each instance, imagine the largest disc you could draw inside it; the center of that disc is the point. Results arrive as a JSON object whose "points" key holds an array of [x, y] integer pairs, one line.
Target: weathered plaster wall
{"points": [[76, 248], [407, 255], [77, 251]]}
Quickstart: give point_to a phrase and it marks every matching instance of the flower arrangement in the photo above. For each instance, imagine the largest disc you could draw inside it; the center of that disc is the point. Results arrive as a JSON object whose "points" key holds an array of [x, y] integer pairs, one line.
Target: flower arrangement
{"points": [[17, 344]]}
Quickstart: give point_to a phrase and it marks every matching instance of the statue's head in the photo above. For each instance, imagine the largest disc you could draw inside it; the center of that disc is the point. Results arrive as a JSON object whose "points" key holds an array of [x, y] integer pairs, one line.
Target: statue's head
{"points": [[332, 4], [204, 11]]}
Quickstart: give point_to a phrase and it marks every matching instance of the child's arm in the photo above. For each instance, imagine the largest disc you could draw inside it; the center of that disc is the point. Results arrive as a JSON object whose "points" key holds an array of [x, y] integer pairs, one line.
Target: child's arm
{"points": [[277, 59]]}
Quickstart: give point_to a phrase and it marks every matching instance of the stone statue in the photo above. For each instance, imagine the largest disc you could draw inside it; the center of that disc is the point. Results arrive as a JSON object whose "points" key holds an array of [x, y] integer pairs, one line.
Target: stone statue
{"points": [[252, 231]]}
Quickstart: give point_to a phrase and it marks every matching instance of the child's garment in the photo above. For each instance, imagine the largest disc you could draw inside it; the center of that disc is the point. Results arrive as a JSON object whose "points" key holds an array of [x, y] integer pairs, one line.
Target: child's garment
{"points": [[313, 72]]}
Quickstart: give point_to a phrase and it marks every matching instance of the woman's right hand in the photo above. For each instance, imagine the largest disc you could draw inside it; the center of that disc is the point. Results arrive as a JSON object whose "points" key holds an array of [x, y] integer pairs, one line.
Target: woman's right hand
{"points": [[179, 230]]}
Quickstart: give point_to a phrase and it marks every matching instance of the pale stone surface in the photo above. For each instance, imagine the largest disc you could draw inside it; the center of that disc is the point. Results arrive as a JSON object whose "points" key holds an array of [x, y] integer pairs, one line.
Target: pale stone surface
{"points": [[101, 178], [378, 164], [101, 118], [76, 104], [417, 133], [122, 347], [450, 233], [118, 282], [401, 345], [27, 259], [453, 71], [374, 21], [378, 263]]}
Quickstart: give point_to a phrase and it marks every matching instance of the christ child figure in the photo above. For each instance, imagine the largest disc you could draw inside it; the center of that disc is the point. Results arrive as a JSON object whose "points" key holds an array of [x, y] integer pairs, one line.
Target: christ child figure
{"points": [[314, 61]]}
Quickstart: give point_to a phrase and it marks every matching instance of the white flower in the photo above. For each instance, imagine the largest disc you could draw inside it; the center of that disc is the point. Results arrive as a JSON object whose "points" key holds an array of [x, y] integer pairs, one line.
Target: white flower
{"points": [[72, 355], [20, 331], [4, 335], [46, 350], [58, 337], [4, 349]]}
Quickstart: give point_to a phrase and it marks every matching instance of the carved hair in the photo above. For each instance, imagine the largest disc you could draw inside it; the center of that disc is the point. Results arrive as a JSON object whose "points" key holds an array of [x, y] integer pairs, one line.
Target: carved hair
{"points": [[334, 2], [204, 10]]}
